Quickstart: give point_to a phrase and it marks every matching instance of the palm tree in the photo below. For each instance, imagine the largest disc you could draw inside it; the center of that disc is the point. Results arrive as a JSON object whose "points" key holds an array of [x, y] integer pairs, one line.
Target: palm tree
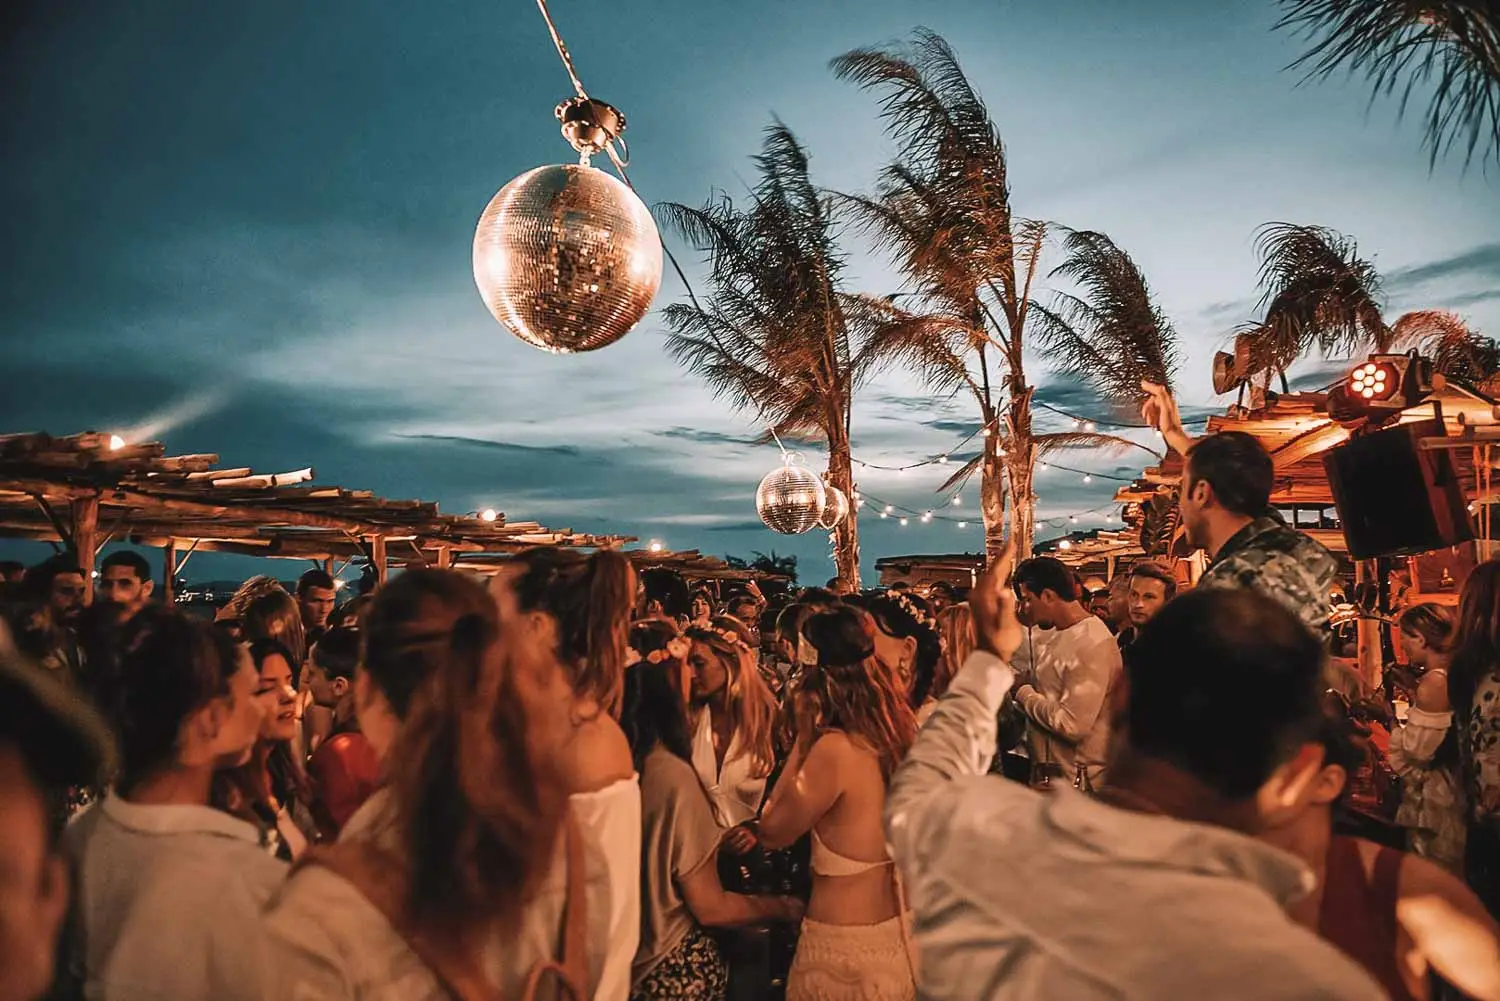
{"points": [[1456, 350], [1453, 46], [779, 335], [1317, 292], [1113, 336], [943, 210]]}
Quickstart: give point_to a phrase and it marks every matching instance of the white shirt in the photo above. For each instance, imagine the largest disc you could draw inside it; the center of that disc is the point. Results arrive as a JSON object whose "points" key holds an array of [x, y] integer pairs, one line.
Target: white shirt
{"points": [[735, 793], [169, 901], [1022, 894], [329, 942], [1066, 700]]}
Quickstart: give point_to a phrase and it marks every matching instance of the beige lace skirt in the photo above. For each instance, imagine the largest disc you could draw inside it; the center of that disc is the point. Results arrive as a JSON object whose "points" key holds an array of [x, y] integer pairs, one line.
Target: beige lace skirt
{"points": [[854, 962]]}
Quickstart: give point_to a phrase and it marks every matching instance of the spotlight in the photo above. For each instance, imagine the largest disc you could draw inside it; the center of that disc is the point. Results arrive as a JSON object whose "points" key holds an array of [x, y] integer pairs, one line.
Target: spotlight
{"points": [[1383, 385]]}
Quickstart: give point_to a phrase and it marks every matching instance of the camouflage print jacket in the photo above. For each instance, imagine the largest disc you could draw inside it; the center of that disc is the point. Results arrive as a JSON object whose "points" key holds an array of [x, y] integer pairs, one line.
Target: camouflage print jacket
{"points": [[1280, 562]]}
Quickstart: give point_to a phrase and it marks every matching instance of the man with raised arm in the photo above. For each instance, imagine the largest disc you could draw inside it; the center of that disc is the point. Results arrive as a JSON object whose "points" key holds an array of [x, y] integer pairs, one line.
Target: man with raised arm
{"points": [[1158, 890]]}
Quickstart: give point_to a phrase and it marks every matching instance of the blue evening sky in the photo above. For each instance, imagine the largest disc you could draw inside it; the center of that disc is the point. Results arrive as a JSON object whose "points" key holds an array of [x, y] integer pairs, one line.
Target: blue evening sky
{"points": [[246, 229]]}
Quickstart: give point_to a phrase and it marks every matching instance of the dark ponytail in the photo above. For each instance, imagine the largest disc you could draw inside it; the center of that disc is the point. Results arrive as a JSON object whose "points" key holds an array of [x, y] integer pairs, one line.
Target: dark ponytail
{"points": [[591, 600], [476, 829]]}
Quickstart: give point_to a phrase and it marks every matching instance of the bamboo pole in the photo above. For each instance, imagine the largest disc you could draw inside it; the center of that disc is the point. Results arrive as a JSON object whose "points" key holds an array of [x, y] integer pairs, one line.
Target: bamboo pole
{"points": [[169, 573], [86, 540], [377, 557]]}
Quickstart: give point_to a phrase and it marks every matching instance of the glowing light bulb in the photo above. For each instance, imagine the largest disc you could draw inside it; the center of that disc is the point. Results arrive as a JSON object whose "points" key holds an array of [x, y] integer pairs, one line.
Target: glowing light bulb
{"points": [[1087, 478], [488, 514], [1089, 425], [927, 516], [888, 509], [116, 443], [655, 547], [957, 501], [903, 522], [942, 460], [963, 524], [1065, 544], [885, 514]]}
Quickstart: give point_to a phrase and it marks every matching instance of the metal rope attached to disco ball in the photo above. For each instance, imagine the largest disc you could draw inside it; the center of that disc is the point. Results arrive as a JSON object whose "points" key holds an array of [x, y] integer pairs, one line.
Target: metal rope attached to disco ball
{"points": [[835, 508], [566, 257], [791, 499]]}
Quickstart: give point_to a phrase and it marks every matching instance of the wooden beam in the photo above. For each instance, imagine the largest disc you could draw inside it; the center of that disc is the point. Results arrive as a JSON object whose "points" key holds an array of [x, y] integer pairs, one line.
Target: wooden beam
{"points": [[377, 557], [444, 557], [169, 573], [86, 540]]}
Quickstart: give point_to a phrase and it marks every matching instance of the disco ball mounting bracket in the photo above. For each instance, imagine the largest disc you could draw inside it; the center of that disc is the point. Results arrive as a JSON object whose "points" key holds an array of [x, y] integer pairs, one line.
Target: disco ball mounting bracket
{"points": [[590, 125]]}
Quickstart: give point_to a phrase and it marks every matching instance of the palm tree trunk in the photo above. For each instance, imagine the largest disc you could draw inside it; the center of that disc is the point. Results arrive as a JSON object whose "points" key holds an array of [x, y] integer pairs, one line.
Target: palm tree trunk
{"points": [[845, 533], [992, 493], [1020, 462]]}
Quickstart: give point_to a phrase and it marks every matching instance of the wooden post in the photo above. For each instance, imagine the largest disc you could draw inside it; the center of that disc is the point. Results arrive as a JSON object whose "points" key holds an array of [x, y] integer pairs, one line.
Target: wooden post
{"points": [[377, 556], [328, 565], [1109, 568], [169, 574], [444, 557], [86, 540], [1367, 631]]}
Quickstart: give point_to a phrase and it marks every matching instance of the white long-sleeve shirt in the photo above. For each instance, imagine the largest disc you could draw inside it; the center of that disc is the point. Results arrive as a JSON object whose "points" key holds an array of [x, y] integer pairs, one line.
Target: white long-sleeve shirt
{"points": [[1023, 894], [1066, 700]]}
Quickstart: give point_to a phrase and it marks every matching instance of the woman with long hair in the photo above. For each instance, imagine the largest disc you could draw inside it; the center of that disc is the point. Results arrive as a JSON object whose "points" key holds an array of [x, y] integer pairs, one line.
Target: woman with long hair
{"points": [[853, 727], [732, 718], [1474, 690], [956, 640], [1424, 752], [441, 882], [906, 640], [682, 892], [573, 612], [271, 789]]}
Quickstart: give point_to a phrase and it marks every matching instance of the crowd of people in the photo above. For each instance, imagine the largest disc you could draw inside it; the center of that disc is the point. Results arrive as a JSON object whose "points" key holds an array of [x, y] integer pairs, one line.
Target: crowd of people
{"points": [[577, 780]]}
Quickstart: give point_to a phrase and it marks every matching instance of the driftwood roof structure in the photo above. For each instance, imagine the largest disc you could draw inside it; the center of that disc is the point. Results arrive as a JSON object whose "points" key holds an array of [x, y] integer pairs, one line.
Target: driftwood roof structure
{"points": [[690, 563], [1297, 430], [88, 489]]}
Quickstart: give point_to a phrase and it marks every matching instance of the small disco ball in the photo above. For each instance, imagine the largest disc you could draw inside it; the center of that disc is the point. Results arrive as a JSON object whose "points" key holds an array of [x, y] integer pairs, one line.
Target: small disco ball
{"points": [[791, 499], [835, 509], [567, 258]]}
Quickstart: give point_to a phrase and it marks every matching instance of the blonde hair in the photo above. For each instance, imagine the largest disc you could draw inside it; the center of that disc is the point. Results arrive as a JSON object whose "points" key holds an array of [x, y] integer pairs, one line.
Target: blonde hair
{"points": [[955, 626], [749, 700]]}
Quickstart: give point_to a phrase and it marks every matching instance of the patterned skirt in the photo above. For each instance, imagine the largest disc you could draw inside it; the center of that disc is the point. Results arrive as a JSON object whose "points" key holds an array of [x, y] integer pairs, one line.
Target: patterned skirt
{"points": [[853, 962], [694, 971]]}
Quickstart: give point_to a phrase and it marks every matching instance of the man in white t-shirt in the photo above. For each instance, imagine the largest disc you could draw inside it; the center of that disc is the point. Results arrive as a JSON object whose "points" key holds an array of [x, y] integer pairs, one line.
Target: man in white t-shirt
{"points": [[1064, 694]]}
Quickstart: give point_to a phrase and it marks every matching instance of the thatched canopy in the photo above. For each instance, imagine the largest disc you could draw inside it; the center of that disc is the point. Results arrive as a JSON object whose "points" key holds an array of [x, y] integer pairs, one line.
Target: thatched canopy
{"points": [[89, 489]]}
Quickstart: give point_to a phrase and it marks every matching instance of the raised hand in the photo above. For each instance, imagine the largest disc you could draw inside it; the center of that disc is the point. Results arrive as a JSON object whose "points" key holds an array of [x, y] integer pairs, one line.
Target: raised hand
{"points": [[1159, 410], [993, 604]]}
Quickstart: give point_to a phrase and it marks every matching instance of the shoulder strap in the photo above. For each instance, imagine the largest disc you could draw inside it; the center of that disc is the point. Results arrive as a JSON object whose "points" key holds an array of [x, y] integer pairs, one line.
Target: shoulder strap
{"points": [[571, 968]]}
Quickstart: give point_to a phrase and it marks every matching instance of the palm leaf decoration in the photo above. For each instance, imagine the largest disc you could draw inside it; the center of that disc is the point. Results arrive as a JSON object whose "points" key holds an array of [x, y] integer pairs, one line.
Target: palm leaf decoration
{"points": [[1456, 350], [773, 336], [1449, 48], [1111, 444], [1317, 292], [1112, 335]]}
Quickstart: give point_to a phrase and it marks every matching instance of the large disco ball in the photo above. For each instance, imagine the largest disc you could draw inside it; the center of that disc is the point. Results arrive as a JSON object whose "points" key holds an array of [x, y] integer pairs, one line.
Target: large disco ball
{"points": [[567, 258], [790, 499], [835, 508]]}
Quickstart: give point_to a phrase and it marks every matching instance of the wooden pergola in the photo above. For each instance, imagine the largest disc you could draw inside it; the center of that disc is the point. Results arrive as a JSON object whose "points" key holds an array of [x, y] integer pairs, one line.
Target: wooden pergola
{"points": [[84, 491], [691, 564]]}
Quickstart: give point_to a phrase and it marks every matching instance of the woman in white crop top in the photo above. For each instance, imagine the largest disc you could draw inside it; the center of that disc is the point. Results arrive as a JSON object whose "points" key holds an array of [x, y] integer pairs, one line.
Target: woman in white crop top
{"points": [[854, 725]]}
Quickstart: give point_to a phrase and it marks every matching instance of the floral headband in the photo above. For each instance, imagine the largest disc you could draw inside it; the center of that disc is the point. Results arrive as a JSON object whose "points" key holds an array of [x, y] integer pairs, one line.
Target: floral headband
{"points": [[912, 608], [676, 649], [729, 636]]}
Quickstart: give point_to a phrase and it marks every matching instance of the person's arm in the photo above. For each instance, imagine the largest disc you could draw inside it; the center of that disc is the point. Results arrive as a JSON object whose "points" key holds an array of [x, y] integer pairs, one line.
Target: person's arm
{"points": [[807, 790], [1073, 714], [714, 907], [1160, 412], [1414, 745], [1451, 928]]}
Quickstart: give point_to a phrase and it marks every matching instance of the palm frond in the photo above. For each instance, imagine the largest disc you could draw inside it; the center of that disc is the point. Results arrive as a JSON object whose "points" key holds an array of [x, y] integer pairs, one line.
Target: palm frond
{"points": [[1110, 443], [1450, 48], [1316, 292], [1113, 336], [962, 476], [1456, 350]]}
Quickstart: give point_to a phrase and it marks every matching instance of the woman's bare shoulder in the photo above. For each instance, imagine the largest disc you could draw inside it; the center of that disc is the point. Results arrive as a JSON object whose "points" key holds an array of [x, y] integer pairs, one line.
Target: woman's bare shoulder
{"points": [[595, 755]]}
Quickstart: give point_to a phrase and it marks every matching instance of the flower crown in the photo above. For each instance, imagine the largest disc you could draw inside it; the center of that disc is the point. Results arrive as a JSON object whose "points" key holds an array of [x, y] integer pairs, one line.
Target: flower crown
{"points": [[676, 649], [912, 608]]}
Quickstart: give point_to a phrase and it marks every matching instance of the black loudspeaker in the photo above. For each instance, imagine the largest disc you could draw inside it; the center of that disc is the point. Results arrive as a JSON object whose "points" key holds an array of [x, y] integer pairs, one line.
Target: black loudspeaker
{"points": [[1395, 497]]}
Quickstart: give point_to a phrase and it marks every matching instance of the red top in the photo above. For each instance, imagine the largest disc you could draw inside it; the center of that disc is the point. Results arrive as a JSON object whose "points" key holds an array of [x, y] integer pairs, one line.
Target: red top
{"points": [[1358, 913], [345, 772]]}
